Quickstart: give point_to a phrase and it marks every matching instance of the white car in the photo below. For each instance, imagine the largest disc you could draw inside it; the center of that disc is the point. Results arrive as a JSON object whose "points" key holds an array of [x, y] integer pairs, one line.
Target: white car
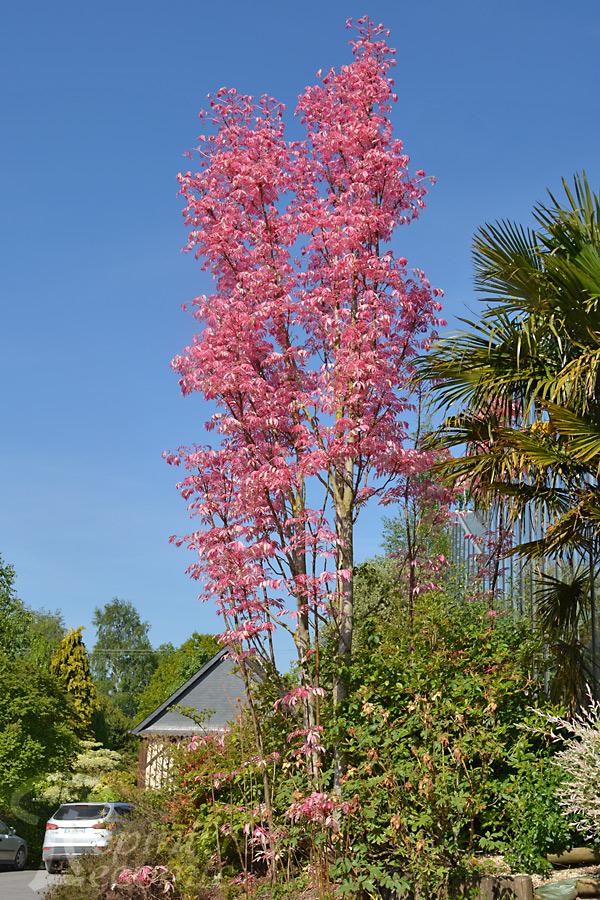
{"points": [[78, 828]]}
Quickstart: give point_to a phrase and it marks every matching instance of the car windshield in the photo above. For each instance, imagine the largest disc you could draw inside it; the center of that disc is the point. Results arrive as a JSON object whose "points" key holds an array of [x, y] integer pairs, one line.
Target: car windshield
{"points": [[75, 811]]}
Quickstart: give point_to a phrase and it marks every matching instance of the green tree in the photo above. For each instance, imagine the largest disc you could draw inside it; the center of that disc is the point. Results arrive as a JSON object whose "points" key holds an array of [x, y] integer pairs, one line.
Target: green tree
{"points": [[15, 619], [45, 632], [71, 667], [123, 659], [174, 668], [439, 761], [36, 727]]}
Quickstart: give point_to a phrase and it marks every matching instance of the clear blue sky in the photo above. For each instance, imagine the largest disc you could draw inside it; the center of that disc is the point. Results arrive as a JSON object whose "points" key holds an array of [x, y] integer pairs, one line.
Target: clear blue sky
{"points": [[99, 101]]}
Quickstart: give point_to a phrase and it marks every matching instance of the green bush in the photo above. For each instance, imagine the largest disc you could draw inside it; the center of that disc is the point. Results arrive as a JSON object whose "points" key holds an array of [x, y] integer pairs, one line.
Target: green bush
{"points": [[440, 766]]}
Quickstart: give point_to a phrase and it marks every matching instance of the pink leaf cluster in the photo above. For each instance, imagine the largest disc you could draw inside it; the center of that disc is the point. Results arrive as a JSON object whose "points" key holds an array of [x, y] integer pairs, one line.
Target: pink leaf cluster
{"points": [[320, 808], [298, 695], [146, 877]]}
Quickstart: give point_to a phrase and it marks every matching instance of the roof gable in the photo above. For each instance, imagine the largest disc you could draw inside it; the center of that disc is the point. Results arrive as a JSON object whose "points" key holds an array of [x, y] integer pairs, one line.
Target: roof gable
{"points": [[216, 686]]}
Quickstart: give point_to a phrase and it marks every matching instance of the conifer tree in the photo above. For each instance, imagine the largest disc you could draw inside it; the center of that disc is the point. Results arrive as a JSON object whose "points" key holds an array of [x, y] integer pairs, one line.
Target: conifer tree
{"points": [[71, 667]]}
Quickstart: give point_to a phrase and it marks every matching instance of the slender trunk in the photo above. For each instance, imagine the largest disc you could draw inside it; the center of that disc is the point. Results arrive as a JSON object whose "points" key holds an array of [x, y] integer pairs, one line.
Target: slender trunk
{"points": [[309, 708], [345, 621], [412, 562], [263, 766]]}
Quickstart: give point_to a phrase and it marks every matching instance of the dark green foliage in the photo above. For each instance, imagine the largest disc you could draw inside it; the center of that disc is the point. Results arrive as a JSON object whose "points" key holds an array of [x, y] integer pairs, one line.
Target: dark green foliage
{"points": [[531, 823], [112, 727], [174, 668], [71, 667], [36, 728], [123, 659], [441, 765], [15, 619]]}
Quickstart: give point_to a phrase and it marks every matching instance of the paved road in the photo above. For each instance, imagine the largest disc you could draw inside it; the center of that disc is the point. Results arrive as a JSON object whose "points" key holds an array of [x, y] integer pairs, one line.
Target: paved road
{"points": [[24, 885]]}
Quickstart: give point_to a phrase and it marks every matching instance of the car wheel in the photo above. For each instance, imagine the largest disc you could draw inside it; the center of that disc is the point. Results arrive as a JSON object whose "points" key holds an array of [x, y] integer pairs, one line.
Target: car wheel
{"points": [[20, 859], [51, 867]]}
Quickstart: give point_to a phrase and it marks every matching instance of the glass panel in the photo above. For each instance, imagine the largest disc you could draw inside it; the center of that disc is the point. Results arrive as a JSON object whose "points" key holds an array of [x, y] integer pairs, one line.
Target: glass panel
{"points": [[78, 811]]}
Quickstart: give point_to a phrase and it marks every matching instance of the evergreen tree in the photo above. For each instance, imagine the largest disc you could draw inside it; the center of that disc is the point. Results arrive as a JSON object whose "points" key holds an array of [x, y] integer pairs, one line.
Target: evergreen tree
{"points": [[123, 659], [71, 667]]}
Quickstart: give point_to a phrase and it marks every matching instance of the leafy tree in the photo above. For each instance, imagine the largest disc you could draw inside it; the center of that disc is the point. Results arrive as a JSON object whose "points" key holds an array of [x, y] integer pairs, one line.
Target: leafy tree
{"points": [[15, 619], [26, 632], [174, 668], [45, 632], [71, 667], [123, 659], [37, 732], [439, 760]]}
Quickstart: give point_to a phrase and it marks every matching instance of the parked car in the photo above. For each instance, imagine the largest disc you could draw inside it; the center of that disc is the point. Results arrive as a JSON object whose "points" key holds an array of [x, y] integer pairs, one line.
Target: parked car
{"points": [[78, 828], [13, 849]]}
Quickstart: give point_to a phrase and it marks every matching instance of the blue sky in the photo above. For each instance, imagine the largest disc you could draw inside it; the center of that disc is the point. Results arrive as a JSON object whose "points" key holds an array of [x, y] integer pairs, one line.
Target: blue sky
{"points": [[99, 101]]}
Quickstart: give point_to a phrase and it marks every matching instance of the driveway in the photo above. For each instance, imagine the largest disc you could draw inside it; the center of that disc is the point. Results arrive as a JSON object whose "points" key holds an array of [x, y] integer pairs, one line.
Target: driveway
{"points": [[25, 885]]}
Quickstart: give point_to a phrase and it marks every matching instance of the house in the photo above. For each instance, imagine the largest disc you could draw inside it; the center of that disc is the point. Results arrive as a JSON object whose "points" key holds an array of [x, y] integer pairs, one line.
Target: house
{"points": [[216, 689]]}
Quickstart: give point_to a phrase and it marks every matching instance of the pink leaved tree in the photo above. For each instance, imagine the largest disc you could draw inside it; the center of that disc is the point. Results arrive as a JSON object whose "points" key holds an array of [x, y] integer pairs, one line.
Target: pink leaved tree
{"points": [[305, 348]]}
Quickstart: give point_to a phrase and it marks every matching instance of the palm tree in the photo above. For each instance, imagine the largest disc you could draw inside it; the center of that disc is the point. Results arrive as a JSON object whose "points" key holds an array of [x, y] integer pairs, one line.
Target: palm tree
{"points": [[521, 392]]}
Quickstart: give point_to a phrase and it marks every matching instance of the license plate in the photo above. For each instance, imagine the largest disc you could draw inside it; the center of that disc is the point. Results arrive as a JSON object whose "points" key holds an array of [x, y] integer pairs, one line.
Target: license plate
{"points": [[72, 830]]}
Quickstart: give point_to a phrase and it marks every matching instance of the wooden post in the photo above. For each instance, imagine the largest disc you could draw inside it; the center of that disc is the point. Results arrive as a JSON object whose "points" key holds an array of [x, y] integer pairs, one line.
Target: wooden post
{"points": [[492, 887], [142, 763]]}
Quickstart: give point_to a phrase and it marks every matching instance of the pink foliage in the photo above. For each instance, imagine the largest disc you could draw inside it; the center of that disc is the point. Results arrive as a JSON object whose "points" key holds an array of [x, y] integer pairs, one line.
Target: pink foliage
{"points": [[148, 877], [318, 807], [298, 695], [305, 347]]}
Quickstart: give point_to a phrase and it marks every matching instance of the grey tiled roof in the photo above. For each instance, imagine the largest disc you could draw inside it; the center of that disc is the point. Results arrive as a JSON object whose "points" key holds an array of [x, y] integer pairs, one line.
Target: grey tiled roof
{"points": [[216, 687]]}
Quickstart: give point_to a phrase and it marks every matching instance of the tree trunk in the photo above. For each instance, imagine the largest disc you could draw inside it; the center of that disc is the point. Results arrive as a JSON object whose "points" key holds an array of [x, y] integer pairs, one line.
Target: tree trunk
{"points": [[344, 621]]}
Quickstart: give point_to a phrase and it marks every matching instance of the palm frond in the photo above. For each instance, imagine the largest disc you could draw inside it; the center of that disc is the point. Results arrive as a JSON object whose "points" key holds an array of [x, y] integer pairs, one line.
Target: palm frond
{"points": [[562, 601]]}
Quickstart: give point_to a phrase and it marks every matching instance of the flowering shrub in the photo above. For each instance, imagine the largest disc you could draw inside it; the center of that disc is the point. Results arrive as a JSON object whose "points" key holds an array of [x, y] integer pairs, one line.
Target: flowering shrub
{"points": [[579, 763]]}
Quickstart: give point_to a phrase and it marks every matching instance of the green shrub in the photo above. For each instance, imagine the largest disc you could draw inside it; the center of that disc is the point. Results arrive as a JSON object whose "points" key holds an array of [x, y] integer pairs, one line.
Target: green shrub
{"points": [[439, 766]]}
